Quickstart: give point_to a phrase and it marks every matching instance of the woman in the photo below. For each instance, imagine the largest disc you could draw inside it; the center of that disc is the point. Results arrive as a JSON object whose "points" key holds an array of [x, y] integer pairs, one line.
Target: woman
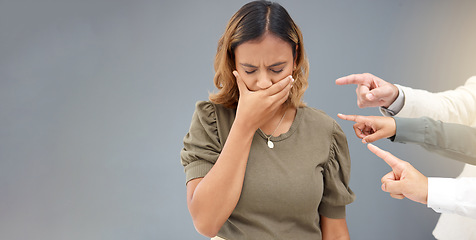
{"points": [[259, 164]]}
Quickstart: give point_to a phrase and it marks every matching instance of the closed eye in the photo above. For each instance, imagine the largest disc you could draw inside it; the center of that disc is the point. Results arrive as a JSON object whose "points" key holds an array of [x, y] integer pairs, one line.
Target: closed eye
{"points": [[250, 72], [277, 71]]}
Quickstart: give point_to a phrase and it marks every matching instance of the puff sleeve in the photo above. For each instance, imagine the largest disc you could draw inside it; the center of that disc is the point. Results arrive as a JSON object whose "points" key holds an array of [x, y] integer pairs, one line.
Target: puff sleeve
{"points": [[201, 144], [336, 172]]}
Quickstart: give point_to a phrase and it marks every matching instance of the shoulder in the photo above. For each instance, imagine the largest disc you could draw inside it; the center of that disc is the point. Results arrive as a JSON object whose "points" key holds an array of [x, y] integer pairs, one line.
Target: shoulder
{"points": [[471, 83], [221, 117], [204, 107], [317, 119], [208, 106], [204, 114], [208, 109], [471, 80], [314, 115]]}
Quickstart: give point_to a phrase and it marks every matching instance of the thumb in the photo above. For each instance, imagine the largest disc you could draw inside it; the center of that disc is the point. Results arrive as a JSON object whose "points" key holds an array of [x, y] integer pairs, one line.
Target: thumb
{"points": [[379, 134], [379, 93], [393, 187]]}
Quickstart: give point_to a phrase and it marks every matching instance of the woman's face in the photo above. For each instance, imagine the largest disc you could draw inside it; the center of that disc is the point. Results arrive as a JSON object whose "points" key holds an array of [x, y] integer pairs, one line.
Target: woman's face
{"points": [[264, 62]]}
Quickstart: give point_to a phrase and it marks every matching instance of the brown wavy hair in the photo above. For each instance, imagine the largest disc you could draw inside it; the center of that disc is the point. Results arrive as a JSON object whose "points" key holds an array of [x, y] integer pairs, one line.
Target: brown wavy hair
{"points": [[251, 22]]}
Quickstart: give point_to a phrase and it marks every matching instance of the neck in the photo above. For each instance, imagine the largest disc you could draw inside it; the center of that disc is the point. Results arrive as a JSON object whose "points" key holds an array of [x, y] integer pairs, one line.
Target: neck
{"points": [[280, 122]]}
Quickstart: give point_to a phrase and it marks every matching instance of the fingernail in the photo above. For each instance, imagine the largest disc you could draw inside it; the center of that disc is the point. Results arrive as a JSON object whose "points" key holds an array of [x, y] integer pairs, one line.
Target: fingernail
{"points": [[370, 96], [363, 141], [235, 73]]}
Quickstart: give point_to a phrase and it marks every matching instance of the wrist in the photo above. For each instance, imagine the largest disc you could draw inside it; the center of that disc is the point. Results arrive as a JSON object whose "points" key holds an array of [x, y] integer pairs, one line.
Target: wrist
{"points": [[396, 106], [424, 191], [393, 96], [243, 125]]}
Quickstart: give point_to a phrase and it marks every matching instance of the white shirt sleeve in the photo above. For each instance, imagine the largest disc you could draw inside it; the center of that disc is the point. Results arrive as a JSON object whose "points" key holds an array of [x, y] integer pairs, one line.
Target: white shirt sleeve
{"points": [[454, 106], [453, 195]]}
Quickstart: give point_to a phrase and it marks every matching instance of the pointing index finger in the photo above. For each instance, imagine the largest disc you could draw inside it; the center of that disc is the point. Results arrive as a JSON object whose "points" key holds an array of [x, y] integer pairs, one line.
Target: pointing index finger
{"points": [[347, 117], [359, 79], [391, 160], [355, 118]]}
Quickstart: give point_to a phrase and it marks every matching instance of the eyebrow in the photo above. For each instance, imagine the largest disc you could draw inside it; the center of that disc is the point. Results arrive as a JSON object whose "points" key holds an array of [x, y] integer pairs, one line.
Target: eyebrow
{"points": [[252, 66]]}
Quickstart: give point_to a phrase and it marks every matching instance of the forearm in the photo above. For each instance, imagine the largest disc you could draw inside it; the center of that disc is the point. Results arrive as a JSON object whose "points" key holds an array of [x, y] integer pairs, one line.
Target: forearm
{"points": [[456, 106], [334, 229], [456, 196], [451, 140], [217, 194], [336, 236]]}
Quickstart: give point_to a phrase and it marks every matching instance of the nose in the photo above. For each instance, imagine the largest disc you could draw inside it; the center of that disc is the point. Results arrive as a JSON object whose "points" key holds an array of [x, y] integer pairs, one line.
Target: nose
{"points": [[264, 81]]}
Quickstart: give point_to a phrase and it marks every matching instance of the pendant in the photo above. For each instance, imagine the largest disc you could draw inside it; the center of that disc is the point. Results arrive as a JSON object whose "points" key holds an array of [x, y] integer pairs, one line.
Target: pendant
{"points": [[270, 144]]}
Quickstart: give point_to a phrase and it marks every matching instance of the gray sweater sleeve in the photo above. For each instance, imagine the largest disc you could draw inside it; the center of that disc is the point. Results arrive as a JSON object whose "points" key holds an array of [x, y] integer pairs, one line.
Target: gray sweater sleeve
{"points": [[451, 140]]}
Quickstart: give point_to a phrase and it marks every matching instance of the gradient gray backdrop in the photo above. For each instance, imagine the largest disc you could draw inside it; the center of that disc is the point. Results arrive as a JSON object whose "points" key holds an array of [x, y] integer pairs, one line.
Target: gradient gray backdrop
{"points": [[96, 96]]}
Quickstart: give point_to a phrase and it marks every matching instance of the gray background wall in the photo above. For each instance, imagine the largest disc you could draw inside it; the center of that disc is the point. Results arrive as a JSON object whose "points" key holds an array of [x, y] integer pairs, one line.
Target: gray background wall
{"points": [[96, 96]]}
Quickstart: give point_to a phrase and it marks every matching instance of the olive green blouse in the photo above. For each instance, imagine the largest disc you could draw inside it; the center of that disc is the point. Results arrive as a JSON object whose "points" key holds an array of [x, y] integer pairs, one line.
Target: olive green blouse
{"points": [[286, 188]]}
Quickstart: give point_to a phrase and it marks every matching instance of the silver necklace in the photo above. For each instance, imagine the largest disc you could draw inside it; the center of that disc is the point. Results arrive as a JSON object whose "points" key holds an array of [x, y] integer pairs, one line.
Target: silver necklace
{"points": [[271, 144]]}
